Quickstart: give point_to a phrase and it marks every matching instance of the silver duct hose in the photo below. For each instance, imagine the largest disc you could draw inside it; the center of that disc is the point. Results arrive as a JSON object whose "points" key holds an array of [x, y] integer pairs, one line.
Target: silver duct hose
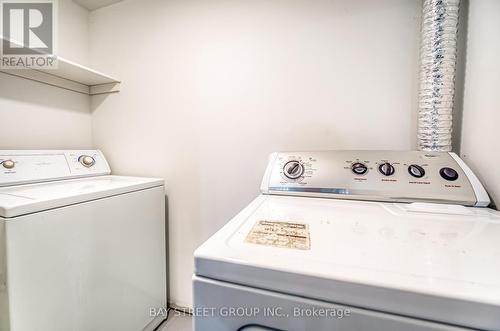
{"points": [[438, 55]]}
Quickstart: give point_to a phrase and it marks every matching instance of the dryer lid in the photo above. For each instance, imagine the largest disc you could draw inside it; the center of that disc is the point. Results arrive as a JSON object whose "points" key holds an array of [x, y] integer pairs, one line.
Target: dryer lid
{"points": [[436, 262]]}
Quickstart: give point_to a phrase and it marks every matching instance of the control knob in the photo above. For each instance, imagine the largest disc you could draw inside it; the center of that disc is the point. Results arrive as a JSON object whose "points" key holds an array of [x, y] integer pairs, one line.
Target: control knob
{"points": [[87, 161], [386, 169], [416, 171], [8, 164], [359, 168], [293, 169]]}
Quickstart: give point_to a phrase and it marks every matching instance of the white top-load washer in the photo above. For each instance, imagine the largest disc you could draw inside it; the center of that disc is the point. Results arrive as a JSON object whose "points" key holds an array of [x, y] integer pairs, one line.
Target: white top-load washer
{"points": [[80, 250], [355, 240]]}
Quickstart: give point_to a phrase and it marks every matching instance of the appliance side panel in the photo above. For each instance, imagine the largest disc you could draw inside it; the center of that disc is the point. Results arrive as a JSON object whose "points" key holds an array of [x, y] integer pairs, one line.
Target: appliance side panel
{"points": [[483, 200], [4, 299], [99, 265]]}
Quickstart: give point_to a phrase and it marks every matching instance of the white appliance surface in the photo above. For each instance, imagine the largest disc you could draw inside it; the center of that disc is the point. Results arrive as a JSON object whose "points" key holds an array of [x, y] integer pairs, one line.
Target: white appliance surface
{"points": [[24, 199], [80, 249], [406, 259], [268, 310]]}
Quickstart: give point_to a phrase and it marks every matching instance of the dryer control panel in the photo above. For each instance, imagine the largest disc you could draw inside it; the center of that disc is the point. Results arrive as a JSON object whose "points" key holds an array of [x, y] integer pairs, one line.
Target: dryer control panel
{"points": [[24, 166], [400, 176]]}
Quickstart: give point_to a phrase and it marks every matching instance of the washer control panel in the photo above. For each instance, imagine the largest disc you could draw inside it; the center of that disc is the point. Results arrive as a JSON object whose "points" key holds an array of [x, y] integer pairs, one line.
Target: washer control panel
{"points": [[400, 176], [23, 166]]}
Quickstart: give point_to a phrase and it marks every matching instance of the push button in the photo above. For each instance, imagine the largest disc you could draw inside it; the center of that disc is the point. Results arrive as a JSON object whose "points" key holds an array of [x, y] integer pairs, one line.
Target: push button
{"points": [[448, 174]]}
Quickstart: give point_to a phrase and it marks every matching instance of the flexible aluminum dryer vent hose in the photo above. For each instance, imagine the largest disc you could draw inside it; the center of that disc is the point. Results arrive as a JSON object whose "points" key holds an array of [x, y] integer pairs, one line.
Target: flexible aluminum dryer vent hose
{"points": [[438, 56]]}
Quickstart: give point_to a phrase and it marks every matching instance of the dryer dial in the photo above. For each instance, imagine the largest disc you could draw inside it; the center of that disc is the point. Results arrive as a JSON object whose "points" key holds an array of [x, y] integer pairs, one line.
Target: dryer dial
{"points": [[293, 169], [416, 171], [386, 169], [359, 168]]}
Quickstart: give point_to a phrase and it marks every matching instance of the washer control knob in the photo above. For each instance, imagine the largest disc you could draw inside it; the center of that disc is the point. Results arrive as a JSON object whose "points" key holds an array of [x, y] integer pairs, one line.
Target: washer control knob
{"points": [[386, 169], [416, 171], [8, 164], [448, 173], [359, 168], [87, 161], [293, 169]]}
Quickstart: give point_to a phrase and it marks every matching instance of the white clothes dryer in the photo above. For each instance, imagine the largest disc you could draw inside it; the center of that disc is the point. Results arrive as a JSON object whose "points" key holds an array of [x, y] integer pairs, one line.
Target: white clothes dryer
{"points": [[355, 240]]}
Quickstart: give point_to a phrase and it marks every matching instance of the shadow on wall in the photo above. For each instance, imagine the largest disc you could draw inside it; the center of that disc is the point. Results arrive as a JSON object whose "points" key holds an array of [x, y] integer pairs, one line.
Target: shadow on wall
{"points": [[458, 107], [166, 248], [96, 101], [27, 91]]}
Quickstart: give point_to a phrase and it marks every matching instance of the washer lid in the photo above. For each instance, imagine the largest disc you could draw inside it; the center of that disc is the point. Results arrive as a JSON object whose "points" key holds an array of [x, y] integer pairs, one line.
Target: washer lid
{"points": [[435, 262], [25, 199]]}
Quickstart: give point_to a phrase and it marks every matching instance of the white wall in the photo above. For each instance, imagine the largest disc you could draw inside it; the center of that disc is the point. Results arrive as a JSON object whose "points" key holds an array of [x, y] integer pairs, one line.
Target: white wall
{"points": [[73, 32], [33, 115], [210, 87], [481, 122]]}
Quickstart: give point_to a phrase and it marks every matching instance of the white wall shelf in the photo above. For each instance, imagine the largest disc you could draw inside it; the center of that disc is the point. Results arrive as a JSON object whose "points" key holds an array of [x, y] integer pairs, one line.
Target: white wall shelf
{"points": [[70, 76]]}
